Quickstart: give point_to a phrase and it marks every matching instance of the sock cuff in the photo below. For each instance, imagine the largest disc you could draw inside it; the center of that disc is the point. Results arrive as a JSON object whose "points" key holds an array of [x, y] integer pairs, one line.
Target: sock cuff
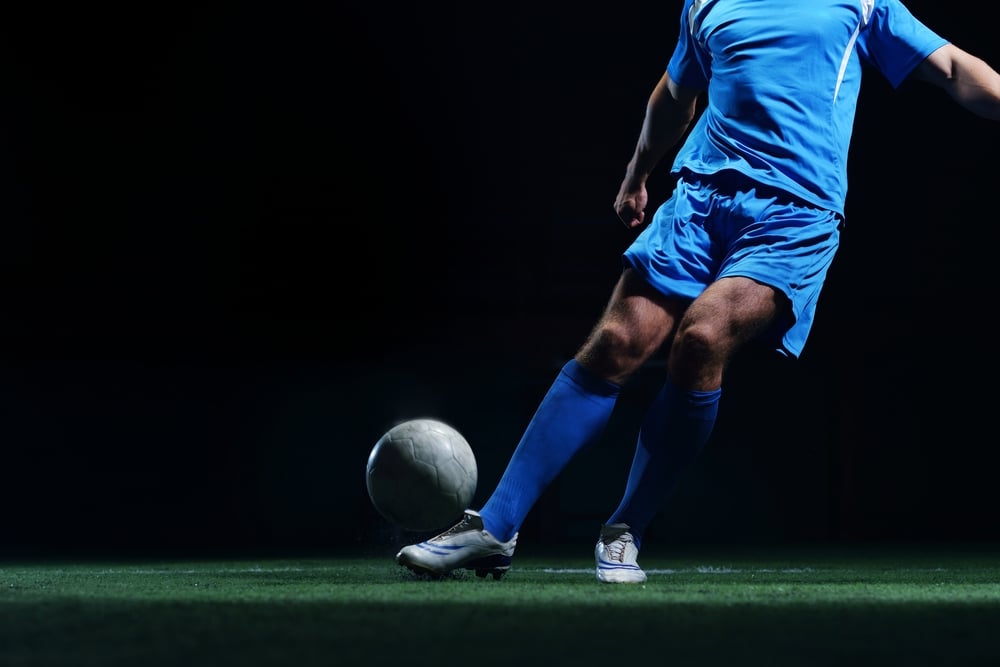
{"points": [[693, 398], [590, 382], [700, 398]]}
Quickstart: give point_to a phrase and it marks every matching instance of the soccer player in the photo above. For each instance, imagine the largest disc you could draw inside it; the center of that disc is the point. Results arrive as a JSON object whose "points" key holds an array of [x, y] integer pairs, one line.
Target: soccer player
{"points": [[739, 251]]}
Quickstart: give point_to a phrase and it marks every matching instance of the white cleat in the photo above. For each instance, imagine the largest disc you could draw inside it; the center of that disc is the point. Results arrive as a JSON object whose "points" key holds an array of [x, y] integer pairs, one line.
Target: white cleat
{"points": [[467, 545], [616, 555]]}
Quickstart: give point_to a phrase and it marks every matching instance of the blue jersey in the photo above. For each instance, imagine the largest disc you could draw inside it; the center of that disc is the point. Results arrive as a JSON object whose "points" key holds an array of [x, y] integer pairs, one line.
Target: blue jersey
{"points": [[783, 78]]}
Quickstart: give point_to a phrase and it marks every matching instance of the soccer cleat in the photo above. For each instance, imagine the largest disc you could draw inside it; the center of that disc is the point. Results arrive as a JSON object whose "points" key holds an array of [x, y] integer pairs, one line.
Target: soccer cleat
{"points": [[616, 555], [467, 545]]}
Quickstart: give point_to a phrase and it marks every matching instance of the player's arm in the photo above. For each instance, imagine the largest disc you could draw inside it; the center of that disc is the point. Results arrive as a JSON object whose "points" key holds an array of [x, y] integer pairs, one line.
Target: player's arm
{"points": [[669, 111], [968, 79]]}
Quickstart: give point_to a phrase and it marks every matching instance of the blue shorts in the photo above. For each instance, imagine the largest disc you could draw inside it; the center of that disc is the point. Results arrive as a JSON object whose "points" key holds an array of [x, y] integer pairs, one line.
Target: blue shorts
{"points": [[728, 225]]}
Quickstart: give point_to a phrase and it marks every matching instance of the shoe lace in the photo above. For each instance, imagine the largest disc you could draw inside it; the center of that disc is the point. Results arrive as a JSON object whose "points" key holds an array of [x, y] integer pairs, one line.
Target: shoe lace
{"points": [[616, 548], [459, 527]]}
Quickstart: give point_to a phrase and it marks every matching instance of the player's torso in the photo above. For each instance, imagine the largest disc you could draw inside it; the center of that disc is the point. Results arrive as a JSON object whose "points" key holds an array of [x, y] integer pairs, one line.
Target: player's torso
{"points": [[791, 45], [783, 80]]}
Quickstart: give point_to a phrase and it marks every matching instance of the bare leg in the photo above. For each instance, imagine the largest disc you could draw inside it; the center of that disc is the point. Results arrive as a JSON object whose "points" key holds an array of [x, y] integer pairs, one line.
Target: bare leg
{"points": [[728, 313], [636, 323]]}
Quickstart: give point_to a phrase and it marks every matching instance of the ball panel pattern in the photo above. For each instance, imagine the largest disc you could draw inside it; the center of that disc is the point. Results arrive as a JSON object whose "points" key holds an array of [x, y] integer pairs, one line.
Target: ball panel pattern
{"points": [[422, 474]]}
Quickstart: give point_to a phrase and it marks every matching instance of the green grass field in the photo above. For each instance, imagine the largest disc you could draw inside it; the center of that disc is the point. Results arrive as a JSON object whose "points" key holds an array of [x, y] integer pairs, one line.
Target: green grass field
{"points": [[899, 606]]}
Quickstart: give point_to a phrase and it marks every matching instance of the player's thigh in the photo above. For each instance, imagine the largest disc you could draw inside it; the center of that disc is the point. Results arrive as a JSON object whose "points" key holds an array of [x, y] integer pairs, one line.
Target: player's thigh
{"points": [[635, 324], [733, 310]]}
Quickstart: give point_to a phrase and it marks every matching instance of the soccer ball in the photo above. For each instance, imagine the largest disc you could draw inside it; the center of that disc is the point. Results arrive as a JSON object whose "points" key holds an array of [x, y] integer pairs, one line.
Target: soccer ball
{"points": [[422, 475]]}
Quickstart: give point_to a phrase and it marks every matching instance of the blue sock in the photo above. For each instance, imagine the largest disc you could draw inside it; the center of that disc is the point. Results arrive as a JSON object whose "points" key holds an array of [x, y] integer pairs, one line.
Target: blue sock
{"points": [[572, 415], [676, 427]]}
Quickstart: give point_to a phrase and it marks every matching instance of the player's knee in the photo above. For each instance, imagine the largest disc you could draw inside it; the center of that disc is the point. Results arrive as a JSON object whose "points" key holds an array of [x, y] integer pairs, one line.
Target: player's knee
{"points": [[612, 353], [700, 343]]}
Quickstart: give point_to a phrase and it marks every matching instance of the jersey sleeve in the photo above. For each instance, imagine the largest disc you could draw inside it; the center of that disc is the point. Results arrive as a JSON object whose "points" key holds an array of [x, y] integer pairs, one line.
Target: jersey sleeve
{"points": [[690, 64], [895, 41]]}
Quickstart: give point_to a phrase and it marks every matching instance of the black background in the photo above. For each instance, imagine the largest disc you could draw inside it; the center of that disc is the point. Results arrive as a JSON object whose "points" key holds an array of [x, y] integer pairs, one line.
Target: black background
{"points": [[241, 241]]}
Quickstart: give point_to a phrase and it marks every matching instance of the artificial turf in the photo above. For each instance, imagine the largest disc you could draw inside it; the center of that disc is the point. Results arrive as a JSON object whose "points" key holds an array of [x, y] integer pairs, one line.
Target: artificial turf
{"points": [[899, 606]]}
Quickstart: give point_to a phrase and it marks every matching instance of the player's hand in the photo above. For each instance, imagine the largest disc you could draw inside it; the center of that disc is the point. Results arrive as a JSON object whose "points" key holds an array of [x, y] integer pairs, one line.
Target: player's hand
{"points": [[630, 205]]}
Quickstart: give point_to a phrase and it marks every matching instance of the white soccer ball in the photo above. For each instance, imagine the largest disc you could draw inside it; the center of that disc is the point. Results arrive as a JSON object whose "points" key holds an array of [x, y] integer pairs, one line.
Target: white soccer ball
{"points": [[422, 475]]}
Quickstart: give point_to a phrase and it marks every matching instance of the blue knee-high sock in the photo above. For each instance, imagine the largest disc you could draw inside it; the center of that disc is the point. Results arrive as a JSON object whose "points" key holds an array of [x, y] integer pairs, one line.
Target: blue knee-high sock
{"points": [[674, 430], [571, 416]]}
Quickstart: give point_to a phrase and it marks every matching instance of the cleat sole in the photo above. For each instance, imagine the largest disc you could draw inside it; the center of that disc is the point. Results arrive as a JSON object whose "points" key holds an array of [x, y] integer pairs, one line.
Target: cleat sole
{"points": [[496, 572], [425, 574]]}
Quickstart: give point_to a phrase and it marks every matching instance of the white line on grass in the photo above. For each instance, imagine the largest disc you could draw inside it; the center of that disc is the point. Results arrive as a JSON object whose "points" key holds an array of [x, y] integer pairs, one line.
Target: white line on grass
{"points": [[702, 569], [707, 569]]}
